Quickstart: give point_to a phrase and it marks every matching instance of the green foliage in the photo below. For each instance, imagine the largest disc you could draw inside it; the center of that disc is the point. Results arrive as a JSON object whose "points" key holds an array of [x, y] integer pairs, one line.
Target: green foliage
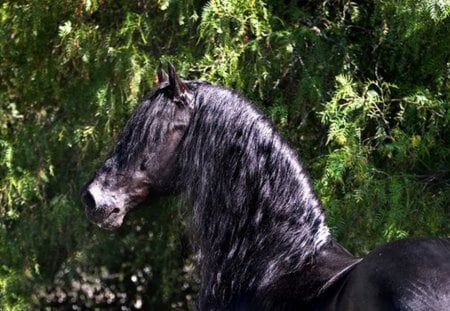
{"points": [[360, 89], [382, 157], [388, 129]]}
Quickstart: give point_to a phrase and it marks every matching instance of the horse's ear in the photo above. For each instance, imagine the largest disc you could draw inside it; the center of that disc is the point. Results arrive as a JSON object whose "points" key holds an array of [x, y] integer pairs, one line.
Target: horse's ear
{"points": [[162, 75], [180, 91]]}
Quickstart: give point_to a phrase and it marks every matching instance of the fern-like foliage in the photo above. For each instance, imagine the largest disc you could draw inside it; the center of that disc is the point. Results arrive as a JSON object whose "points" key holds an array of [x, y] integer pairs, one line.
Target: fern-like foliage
{"points": [[360, 89]]}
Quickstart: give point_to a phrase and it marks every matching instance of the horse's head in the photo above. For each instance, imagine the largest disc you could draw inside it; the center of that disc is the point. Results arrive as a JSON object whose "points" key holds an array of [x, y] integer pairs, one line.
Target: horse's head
{"points": [[144, 160]]}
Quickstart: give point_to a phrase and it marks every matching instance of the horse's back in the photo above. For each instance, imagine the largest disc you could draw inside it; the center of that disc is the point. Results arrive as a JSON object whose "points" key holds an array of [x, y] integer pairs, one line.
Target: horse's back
{"points": [[409, 274]]}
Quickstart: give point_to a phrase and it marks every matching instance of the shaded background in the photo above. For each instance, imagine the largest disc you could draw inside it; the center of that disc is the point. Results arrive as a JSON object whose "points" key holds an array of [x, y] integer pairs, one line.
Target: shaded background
{"points": [[360, 88]]}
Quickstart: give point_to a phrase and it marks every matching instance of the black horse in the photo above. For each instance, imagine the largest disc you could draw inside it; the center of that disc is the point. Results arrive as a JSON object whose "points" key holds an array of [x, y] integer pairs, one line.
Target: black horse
{"points": [[259, 226]]}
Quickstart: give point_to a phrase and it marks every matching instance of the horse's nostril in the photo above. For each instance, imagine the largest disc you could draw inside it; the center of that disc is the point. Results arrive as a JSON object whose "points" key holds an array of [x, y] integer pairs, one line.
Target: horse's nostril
{"points": [[115, 211], [88, 200]]}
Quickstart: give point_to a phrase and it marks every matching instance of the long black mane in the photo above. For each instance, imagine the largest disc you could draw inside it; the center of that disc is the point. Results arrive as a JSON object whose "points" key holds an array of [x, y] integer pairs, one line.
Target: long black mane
{"points": [[255, 213], [151, 120]]}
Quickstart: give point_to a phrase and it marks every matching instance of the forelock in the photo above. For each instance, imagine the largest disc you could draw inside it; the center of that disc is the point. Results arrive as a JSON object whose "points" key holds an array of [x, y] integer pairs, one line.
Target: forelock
{"points": [[146, 127]]}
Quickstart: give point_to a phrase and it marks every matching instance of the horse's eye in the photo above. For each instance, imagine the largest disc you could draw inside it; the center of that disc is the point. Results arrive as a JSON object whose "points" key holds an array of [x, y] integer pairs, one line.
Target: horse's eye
{"points": [[143, 166]]}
